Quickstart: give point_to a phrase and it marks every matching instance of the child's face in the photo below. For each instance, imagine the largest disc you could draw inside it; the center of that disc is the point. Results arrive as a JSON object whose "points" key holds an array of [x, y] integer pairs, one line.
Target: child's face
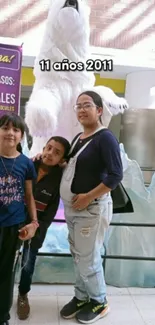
{"points": [[10, 136], [53, 153]]}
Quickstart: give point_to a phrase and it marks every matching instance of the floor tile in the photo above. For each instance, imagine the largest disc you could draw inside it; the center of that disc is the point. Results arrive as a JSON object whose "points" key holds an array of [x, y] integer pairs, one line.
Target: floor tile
{"points": [[117, 291], [146, 307], [142, 291], [128, 306], [44, 310]]}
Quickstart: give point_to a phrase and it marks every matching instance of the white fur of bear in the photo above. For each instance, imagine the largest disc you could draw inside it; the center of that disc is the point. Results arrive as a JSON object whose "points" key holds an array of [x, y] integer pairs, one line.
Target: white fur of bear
{"points": [[54, 94], [49, 110]]}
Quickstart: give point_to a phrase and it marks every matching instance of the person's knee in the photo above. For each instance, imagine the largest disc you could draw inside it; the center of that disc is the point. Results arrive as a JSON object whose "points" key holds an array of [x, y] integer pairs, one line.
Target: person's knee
{"points": [[84, 265], [88, 265]]}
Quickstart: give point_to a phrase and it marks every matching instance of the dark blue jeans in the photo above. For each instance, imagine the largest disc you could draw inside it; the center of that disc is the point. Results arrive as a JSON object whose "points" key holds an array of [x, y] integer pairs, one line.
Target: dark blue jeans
{"points": [[28, 269]]}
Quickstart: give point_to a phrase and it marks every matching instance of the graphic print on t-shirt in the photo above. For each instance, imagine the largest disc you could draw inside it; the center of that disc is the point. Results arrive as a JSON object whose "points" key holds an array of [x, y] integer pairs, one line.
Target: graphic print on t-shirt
{"points": [[10, 190]]}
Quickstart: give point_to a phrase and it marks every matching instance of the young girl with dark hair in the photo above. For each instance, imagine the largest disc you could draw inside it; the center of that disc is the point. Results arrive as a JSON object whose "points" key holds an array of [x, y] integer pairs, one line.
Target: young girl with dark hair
{"points": [[16, 175]]}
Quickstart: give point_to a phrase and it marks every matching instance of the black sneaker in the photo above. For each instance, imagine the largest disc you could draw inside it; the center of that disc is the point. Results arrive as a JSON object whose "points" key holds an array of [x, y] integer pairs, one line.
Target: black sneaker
{"points": [[72, 308], [92, 312]]}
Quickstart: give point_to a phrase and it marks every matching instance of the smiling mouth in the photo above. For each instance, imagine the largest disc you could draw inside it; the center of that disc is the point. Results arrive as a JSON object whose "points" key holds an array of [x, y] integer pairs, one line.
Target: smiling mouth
{"points": [[49, 159], [71, 4]]}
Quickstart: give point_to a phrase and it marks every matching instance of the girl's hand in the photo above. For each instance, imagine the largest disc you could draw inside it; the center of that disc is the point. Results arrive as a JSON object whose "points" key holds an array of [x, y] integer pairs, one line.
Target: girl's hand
{"points": [[81, 201], [63, 165], [37, 157], [27, 232]]}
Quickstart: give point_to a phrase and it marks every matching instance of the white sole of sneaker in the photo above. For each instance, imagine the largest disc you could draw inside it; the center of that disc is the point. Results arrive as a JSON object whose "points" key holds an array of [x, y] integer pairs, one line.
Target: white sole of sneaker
{"points": [[71, 316], [106, 311]]}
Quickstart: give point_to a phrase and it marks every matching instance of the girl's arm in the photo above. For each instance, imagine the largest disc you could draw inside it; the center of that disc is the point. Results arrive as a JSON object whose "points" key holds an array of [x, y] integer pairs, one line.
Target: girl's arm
{"points": [[30, 202], [29, 230]]}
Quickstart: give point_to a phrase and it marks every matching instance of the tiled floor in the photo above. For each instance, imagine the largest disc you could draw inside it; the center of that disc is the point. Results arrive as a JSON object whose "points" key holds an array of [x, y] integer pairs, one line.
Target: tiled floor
{"points": [[133, 306]]}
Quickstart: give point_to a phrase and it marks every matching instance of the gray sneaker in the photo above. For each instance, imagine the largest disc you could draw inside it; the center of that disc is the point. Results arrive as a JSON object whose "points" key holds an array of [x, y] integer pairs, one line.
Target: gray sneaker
{"points": [[72, 308]]}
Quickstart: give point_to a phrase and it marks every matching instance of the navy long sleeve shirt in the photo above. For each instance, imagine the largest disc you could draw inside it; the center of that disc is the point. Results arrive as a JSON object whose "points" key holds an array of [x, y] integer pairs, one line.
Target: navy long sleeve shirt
{"points": [[100, 162]]}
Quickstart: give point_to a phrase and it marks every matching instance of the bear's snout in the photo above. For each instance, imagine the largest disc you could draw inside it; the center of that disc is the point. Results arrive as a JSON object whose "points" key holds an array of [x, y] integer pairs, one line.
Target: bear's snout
{"points": [[71, 3]]}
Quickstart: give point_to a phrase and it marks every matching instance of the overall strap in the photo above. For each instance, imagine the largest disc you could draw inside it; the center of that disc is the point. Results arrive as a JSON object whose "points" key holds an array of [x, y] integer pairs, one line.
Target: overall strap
{"points": [[86, 144], [75, 142]]}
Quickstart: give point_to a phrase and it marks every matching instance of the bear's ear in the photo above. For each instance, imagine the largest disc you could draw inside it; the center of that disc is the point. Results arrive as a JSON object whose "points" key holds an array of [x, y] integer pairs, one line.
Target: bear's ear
{"points": [[88, 9]]}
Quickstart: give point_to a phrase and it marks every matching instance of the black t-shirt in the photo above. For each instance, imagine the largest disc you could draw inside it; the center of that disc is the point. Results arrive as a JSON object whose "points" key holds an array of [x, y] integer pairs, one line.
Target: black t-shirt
{"points": [[46, 195]]}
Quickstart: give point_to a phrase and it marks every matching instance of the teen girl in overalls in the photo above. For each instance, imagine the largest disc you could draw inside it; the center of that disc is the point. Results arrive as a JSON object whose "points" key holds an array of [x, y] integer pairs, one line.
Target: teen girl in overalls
{"points": [[93, 170]]}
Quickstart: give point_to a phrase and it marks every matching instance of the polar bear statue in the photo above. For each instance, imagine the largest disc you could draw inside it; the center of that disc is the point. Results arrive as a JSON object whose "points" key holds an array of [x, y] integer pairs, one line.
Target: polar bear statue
{"points": [[66, 39]]}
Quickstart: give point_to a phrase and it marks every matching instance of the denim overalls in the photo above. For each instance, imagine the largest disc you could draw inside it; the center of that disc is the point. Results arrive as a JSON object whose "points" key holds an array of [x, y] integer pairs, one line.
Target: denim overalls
{"points": [[86, 235]]}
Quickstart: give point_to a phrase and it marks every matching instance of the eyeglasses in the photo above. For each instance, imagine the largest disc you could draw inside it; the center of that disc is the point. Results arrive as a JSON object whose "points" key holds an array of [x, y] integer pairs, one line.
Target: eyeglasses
{"points": [[85, 106]]}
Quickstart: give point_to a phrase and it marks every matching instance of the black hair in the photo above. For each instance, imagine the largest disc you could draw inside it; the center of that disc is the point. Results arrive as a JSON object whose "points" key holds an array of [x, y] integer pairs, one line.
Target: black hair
{"points": [[96, 99], [16, 120], [19, 148], [64, 142]]}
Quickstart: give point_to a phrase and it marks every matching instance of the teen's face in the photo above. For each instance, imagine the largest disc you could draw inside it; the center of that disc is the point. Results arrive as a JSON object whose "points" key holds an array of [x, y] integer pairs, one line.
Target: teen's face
{"points": [[10, 136], [87, 112], [53, 153]]}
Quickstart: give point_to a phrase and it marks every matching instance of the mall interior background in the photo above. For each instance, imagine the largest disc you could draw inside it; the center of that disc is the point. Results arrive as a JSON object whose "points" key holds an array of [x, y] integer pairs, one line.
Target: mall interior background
{"points": [[115, 25]]}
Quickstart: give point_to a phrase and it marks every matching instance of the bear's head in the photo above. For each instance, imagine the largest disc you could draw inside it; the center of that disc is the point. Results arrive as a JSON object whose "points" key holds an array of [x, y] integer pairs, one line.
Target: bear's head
{"points": [[68, 20]]}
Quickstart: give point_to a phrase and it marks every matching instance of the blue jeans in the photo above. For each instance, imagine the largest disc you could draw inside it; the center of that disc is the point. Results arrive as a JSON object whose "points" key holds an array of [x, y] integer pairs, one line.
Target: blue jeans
{"points": [[27, 271], [87, 230]]}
